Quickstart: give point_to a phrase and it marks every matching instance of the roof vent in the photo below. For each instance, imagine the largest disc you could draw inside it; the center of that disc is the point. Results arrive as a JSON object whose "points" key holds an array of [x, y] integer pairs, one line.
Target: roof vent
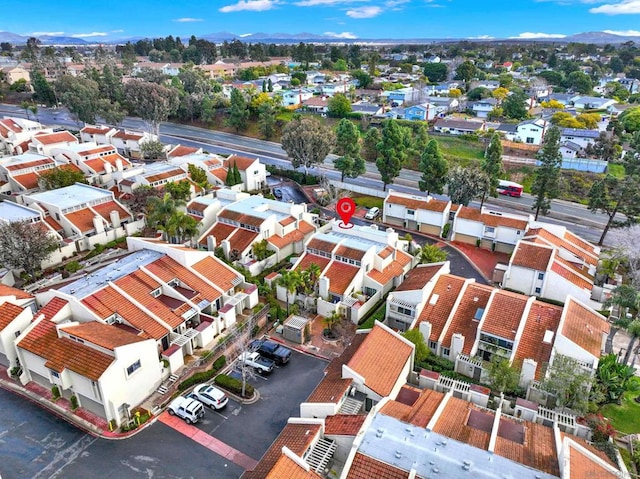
{"points": [[434, 299], [398, 454], [476, 299]]}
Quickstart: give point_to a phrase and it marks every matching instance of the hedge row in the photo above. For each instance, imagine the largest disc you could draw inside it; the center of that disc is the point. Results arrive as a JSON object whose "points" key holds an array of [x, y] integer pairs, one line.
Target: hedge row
{"points": [[234, 385], [203, 376]]}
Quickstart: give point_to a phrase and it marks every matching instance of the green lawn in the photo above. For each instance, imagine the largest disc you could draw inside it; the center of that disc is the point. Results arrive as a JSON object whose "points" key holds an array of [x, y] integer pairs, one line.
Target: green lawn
{"points": [[462, 149], [625, 417], [378, 314], [616, 170], [368, 201]]}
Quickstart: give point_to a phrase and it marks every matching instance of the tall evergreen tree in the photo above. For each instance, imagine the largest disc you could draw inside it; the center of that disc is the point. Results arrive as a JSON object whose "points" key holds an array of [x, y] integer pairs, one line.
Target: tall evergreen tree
{"points": [[392, 152], [546, 185], [238, 111], [434, 168], [350, 164], [611, 195], [492, 165]]}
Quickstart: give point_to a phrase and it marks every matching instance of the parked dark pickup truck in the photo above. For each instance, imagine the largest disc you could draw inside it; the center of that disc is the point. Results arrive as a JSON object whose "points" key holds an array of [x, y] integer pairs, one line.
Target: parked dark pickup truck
{"points": [[272, 350]]}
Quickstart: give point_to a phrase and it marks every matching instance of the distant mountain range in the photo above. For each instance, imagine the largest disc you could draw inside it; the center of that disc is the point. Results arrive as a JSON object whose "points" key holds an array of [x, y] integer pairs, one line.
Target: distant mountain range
{"points": [[588, 37]]}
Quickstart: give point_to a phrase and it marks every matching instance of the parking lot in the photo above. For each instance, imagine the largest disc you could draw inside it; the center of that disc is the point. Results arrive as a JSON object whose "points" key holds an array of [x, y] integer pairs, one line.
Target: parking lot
{"points": [[252, 428]]}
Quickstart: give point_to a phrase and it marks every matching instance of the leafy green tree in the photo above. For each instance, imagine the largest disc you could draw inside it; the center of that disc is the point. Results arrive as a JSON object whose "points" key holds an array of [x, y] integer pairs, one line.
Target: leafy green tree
{"points": [[233, 175], [179, 190], [436, 72], [198, 175], [430, 253], [370, 144], [392, 152], [479, 93], [60, 177], [568, 382], [364, 79], [611, 195], [153, 103], [260, 250], [579, 82], [421, 352], [434, 168], [160, 210], [350, 164], [338, 106], [152, 150], [466, 71], [289, 280], [179, 227], [43, 92], [25, 245], [492, 164], [632, 158], [514, 106], [238, 111], [81, 96], [502, 375], [307, 142], [613, 379], [630, 120], [606, 147], [267, 120], [546, 184], [465, 184]]}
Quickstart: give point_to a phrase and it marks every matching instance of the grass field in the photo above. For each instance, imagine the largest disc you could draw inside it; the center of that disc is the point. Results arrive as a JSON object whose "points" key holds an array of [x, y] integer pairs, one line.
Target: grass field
{"points": [[378, 314], [367, 201], [460, 151], [626, 416]]}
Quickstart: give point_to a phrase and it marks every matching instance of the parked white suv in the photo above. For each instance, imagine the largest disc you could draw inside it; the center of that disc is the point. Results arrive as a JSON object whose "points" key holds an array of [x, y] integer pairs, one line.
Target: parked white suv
{"points": [[373, 213], [188, 409], [209, 396]]}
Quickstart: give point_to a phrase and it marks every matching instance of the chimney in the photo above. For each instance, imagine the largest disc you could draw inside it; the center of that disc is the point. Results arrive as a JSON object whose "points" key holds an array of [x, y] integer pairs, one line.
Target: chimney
{"points": [[527, 372], [114, 216], [98, 225]]}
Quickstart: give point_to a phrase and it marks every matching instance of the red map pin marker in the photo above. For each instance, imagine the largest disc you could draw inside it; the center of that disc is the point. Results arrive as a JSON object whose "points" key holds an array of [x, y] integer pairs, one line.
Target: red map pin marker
{"points": [[345, 208]]}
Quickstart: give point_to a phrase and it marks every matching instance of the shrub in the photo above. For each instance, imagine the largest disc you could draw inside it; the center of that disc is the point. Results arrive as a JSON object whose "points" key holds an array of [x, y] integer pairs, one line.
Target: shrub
{"points": [[234, 385], [203, 376], [445, 230], [74, 402], [72, 267], [478, 242], [219, 363], [55, 392]]}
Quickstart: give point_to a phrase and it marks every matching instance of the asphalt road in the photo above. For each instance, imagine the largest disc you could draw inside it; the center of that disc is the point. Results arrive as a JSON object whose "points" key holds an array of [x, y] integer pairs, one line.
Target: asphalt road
{"points": [[572, 215]]}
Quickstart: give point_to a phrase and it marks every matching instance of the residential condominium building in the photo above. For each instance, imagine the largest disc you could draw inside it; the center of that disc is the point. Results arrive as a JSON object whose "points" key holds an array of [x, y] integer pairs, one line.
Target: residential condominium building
{"points": [[16, 133], [421, 213]]}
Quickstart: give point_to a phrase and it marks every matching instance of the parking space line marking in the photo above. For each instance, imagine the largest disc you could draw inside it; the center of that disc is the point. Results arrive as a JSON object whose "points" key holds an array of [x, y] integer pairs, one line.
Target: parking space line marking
{"points": [[208, 441]]}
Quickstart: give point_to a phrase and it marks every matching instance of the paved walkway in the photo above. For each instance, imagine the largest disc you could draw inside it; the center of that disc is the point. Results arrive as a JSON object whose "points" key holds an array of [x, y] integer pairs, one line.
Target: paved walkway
{"points": [[208, 441], [484, 260]]}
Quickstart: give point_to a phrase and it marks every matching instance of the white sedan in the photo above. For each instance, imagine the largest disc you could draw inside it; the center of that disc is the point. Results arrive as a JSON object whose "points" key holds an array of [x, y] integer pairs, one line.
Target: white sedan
{"points": [[209, 396]]}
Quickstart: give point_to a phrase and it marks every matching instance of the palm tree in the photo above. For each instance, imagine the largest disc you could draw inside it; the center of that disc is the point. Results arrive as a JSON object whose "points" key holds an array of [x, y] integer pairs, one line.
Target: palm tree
{"points": [[314, 276], [161, 210], [633, 328], [289, 280], [332, 320]]}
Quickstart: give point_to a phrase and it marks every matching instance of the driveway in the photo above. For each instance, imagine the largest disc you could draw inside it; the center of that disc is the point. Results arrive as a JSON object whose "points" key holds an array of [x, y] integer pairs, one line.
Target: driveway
{"points": [[252, 428]]}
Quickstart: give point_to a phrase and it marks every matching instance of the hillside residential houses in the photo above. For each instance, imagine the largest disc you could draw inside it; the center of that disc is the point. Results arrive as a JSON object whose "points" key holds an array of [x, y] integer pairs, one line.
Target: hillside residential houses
{"points": [[178, 297], [552, 262], [583, 138], [421, 213], [84, 215], [98, 162], [482, 108], [530, 132], [43, 143], [16, 133], [358, 267], [244, 220], [364, 420], [458, 127], [20, 174], [467, 323]]}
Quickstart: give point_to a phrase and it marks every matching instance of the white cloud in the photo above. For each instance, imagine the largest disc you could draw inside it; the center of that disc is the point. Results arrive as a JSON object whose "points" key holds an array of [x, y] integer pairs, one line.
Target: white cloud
{"points": [[530, 35], [187, 20], [315, 3], [250, 5], [481, 37], [345, 35], [625, 7], [624, 33], [395, 3], [244, 35], [364, 12], [41, 34], [89, 35]]}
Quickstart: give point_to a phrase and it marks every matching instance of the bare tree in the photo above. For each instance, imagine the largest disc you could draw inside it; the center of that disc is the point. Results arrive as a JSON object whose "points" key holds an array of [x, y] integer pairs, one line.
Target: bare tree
{"points": [[25, 245], [624, 246]]}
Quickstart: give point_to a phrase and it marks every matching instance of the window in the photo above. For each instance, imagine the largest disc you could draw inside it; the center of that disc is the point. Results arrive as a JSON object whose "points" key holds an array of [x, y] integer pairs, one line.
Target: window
{"points": [[540, 276], [489, 230], [446, 351], [133, 368], [405, 311], [411, 212], [433, 345], [17, 333], [54, 374], [538, 290], [529, 140], [155, 293]]}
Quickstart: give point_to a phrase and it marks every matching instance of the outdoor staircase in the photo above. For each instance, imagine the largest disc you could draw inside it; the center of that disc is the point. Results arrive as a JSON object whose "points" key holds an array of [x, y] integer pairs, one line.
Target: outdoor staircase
{"points": [[319, 457], [162, 389], [173, 378], [350, 406]]}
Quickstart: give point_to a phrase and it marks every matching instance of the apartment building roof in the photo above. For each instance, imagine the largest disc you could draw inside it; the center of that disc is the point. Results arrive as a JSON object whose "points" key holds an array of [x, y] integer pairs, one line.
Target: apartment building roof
{"points": [[467, 315], [8, 312], [504, 314], [532, 255], [492, 218], [440, 303], [103, 335], [584, 327], [223, 276], [53, 138], [418, 203], [340, 276]]}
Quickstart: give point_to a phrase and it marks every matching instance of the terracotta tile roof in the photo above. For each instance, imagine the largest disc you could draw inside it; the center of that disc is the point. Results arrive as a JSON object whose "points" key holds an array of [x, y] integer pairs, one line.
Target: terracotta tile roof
{"points": [[474, 214], [573, 440], [103, 335], [308, 258], [139, 286], [394, 270], [11, 291], [425, 203], [403, 258], [366, 467], [105, 209], [351, 253], [577, 267], [386, 252], [217, 272], [542, 317], [96, 150], [124, 135], [581, 466], [453, 423], [419, 413], [474, 297], [504, 314], [287, 221], [53, 138], [29, 180], [96, 130], [53, 223], [96, 165], [538, 449], [177, 172], [340, 276], [286, 468], [195, 205], [418, 277], [297, 437], [321, 245], [333, 387], [584, 327], [306, 227], [381, 359], [10, 124], [108, 301], [549, 238], [30, 164], [242, 239], [241, 217], [532, 256], [447, 289], [166, 268], [8, 312], [282, 241], [571, 276], [343, 424], [220, 173], [219, 231], [242, 162], [585, 245], [52, 308], [70, 167], [182, 150], [82, 219]]}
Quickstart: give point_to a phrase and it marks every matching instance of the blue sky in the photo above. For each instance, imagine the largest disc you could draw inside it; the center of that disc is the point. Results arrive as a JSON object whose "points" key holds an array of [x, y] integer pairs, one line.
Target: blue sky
{"points": [[340, 18]]}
